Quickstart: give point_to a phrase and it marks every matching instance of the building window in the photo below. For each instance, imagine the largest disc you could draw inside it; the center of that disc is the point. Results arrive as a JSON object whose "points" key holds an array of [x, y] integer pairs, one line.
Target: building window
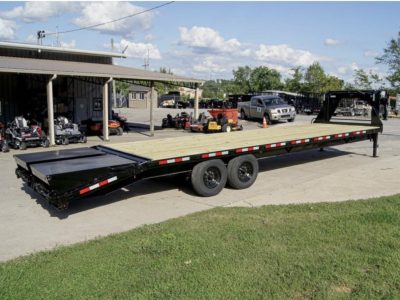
{"points": [[141, 96]]}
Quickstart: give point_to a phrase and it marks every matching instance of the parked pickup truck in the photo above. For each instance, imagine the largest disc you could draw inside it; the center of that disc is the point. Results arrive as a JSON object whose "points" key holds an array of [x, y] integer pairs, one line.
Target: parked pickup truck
{"points": [[272, 108]]}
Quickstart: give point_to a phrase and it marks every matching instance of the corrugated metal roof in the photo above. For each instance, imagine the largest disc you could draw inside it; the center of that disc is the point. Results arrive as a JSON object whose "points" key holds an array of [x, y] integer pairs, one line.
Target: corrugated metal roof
{"points": [[59, 49], [71, 68]]}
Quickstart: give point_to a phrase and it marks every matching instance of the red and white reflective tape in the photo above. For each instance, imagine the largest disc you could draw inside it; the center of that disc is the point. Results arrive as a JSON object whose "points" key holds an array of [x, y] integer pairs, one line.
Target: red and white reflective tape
{"points": [[247, 149], [174, 160], [97, 185], [214, 154], [322, 138], [340, 135], [359, 132], [269, 146], [303, 141]]}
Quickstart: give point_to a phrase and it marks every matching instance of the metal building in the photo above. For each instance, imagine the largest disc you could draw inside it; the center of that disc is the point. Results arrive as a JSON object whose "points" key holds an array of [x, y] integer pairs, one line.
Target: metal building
{"points": [[45, 80]]}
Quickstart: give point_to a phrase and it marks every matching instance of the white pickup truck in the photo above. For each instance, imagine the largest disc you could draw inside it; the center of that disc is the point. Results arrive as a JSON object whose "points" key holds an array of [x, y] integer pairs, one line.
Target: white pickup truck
{"points": [[272, 108]]}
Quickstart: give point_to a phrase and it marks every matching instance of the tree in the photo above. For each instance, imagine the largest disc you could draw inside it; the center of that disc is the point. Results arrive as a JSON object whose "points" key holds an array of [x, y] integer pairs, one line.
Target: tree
{"points": [[163, 88], [332, 83], [212, 89], [262, 78], [391, 58], [295, 83], [364, 80], [241, 78], [122, 87], [314, 78], [361, 80]]}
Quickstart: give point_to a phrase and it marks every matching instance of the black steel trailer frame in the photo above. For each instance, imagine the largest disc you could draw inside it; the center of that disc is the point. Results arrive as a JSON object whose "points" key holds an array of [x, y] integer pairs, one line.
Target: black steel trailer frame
{"points": [[64, 175]]}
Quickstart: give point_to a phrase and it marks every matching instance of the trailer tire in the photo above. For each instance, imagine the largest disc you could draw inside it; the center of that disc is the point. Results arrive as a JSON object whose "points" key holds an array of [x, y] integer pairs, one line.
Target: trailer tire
{"points": [[209, 177], [242, 171], [120, 131]]}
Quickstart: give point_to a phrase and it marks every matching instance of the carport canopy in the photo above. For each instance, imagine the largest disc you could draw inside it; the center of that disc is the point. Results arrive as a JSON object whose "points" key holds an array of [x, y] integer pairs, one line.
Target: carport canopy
{"points": [[55, 68]]}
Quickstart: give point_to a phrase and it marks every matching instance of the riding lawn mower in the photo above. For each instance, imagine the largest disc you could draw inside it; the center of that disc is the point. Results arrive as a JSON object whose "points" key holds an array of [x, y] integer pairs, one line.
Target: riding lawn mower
{"points": [[221, 120], [67, 132], [22, 135]]}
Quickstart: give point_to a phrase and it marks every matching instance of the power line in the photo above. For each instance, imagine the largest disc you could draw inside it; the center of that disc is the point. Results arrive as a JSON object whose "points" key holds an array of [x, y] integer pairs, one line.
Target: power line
{"points": [[112, 21]]}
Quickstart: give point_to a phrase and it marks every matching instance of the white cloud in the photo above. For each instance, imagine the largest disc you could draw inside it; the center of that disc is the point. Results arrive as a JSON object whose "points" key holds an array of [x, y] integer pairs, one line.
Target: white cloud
{"points": [[7, 29], [206, 39], [331, 42], [283, 54], [348, 69], [139, 50], [210, 64], [93, 13], [371, 53], [39, 11], [71, 44]]}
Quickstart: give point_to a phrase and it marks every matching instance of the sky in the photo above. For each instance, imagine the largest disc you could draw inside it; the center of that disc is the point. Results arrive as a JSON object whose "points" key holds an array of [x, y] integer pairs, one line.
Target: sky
{"points": [[207, 40]]}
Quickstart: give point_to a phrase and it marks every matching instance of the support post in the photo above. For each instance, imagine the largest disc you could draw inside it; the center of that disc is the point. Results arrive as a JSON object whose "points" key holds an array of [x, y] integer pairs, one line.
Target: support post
{"points": [[152, 92], [50, 110], [105, 110], [375, 144], [196, 102], [114, 94]]}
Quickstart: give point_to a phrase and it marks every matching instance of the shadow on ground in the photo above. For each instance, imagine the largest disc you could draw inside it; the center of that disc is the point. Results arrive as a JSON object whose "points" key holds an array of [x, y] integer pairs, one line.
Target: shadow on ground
{"points": [[180, 182]]}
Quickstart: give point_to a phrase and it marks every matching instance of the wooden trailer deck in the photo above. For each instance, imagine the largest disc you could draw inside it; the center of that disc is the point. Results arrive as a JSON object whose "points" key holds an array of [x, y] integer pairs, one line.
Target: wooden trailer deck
{"points": [[195, 144]]}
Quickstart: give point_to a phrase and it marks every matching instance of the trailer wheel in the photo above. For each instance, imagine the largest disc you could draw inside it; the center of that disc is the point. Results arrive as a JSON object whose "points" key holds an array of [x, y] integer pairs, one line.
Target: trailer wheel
{"points": [[22, 146], [242, 171], [120, 131], [209, 177]]}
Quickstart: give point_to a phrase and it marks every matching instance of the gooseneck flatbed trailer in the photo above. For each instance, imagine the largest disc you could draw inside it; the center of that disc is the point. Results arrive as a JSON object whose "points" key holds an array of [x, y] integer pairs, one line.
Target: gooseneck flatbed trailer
{"points": [[211, 160]]}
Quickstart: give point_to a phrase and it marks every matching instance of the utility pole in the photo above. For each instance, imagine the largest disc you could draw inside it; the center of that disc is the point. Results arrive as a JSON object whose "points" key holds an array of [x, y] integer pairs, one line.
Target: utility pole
{"points": [[147, 60]]}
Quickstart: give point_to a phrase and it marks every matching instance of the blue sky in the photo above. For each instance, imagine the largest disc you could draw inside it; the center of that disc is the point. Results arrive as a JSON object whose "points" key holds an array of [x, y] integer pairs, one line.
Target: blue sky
{"points": [[209, 39]]}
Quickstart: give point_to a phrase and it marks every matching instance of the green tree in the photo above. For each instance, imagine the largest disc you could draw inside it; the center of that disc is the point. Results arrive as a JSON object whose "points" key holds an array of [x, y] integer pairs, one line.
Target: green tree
{"points": [[295, 83], [212, 89], [362, 80], [333, 83], [122, 87], [262, 78], [163, 88], [314, 79], [391, 58], [241, 78]]}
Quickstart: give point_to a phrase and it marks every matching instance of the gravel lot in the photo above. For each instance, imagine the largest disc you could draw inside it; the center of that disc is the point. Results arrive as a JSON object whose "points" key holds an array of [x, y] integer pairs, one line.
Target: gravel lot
{"points": [[340, 173]]}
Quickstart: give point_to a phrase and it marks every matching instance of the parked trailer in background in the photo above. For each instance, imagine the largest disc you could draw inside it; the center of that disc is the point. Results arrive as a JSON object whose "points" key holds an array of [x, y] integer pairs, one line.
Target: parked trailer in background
{"points": [[212, 161]]}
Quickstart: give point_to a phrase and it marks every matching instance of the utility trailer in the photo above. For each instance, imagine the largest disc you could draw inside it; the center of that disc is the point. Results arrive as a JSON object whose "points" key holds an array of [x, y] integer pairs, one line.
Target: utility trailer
{"points": [[211, 160]]}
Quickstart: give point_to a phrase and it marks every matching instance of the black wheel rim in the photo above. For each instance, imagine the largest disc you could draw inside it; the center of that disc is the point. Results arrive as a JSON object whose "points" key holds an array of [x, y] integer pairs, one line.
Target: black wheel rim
{"points": [[212, 177], [245, 172]]}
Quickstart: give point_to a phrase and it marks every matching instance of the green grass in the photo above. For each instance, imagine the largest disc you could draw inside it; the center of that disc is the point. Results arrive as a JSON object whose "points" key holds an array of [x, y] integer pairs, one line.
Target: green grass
{"points": [[318, 251]]}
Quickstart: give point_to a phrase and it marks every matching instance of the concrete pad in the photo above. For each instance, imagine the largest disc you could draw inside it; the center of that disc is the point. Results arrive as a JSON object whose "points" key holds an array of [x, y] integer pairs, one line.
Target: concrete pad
{"points": [[28, 224]]}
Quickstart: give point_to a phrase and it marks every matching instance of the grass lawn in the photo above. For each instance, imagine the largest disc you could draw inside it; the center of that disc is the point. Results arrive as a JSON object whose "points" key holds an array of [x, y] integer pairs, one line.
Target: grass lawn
{"points": [[319, 251]]}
